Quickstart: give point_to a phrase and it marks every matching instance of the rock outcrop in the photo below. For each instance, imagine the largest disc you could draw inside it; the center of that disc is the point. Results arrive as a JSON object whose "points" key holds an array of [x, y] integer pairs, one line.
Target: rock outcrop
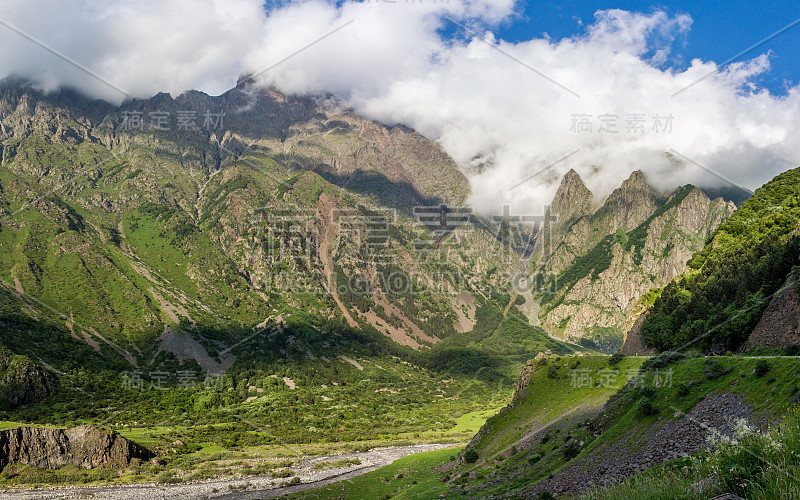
{"points": [[634, 344], [779, 327], [629, 205], [85, 446], [573, 200]]}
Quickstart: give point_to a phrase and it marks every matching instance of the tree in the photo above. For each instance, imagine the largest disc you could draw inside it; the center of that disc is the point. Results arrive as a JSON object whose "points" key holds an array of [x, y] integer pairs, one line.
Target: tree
{"points": [[470, 456]]}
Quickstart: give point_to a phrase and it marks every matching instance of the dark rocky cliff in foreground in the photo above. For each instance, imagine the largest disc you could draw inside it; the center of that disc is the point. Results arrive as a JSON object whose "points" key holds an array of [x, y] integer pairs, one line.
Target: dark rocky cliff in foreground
{"points": [[85, 446]]}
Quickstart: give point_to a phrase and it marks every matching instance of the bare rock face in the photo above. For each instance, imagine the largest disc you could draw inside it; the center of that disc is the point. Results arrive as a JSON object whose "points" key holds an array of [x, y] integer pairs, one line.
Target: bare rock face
{"points": [[85, 446], [573, 200], [634, 344], [658, 443], [780, 325], [629, 205]]}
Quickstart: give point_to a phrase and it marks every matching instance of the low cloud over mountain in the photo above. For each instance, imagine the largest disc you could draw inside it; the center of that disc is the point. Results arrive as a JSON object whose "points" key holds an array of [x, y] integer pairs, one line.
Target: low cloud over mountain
{"points": [[612, 98]]}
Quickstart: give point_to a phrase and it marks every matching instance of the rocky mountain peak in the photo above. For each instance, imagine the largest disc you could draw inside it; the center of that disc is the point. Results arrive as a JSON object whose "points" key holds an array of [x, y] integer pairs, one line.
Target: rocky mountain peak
{"points": [[630, 204], [573, 199], [634, 187]]}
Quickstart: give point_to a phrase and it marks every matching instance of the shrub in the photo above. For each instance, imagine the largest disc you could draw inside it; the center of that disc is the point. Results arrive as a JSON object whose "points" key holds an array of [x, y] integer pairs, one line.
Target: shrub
{"points": [[792, 350], [762, 368], [545, 495], [738, 462], [645, 407], [615, 358], [552, 371], [571, 450], [470, 456], [750, 464], [648, 391], [683, 390], [664, 359], [714, 369], [166, 477], [534, 458]]}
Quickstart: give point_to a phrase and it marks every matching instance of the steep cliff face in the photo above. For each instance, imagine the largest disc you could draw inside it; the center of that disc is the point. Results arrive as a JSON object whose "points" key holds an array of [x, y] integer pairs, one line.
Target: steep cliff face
{"points": [[572, 201], [603, 262], [779, 327], [633, 343], [84, 446]]}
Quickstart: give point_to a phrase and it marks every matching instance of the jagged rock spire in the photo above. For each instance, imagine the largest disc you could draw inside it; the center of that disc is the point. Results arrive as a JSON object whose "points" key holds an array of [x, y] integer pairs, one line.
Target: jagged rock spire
{"points": [[630, 204], [573, 199]]}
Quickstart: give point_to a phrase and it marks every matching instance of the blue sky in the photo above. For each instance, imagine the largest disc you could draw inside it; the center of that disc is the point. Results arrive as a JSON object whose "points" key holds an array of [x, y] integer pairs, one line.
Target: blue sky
{"points": [[721, 29]]}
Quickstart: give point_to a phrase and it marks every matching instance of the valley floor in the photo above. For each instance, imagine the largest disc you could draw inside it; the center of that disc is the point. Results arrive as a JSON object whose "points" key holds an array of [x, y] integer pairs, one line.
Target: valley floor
{"points": [[255, 487]]}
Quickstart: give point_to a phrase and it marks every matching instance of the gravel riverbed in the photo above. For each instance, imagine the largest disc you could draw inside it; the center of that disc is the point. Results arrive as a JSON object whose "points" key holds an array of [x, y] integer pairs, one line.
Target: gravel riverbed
{"points": [[250, 487]]}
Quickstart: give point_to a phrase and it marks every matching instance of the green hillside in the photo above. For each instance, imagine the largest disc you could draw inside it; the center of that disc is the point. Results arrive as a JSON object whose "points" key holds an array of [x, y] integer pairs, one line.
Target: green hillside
{"points": [[560, 437], [719, 300]]}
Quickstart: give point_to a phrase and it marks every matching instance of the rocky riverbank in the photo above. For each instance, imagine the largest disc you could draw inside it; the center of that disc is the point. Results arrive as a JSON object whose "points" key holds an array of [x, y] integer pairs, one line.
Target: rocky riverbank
{"points": [[240, 488]]}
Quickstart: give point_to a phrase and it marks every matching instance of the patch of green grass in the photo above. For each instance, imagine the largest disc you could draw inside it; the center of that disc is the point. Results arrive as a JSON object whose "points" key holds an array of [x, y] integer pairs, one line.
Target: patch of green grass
{"points": [[210, 448], [409, 477], [471, 422]]}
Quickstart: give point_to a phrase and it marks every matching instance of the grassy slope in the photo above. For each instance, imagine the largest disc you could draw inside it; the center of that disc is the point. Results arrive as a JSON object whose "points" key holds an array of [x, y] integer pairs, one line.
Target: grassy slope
{"points": [[546, 400], [409, 477], [756, 467], [625, 424]]}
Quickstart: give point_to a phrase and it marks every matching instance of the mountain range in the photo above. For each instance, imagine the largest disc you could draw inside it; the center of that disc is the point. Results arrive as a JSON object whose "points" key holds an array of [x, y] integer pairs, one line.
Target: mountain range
{"points": [[168, 230], [258, 271]]}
